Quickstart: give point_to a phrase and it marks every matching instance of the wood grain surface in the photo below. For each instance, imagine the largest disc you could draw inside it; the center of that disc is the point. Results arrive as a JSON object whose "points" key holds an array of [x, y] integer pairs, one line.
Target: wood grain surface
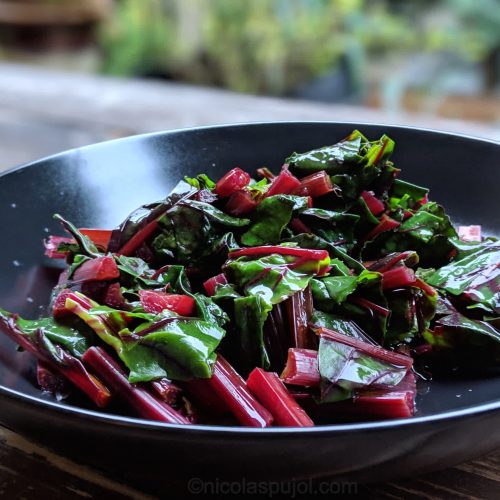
{"points": [[43, 112]]}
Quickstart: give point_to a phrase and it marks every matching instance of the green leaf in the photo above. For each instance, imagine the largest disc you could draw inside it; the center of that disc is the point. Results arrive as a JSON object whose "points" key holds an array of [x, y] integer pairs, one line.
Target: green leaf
{"points": [[146, 364], [135, 272], [271, 217], [316, 242], [336, 227], [70, 338], [201, 181], [85, 245], [154, 356], [338, 324], [214, 214], [145, 214], [333, 159], [429, 232], [471, 342], [189, 344], [192, 231], [346, 367], [209, 310], [405, 195], [477, 275], [336, 289], [267, 277], [250, 315]]}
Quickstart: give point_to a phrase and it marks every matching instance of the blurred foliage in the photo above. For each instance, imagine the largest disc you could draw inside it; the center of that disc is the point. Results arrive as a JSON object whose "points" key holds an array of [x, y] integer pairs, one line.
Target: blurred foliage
{"points": [[275, 46]]}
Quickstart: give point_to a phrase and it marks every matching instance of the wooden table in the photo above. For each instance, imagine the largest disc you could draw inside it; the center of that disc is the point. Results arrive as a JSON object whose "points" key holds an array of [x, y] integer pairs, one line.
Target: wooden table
{"points": [[43, 112]]}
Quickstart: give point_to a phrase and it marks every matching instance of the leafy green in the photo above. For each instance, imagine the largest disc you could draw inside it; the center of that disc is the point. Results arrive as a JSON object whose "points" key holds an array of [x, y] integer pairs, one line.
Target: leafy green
{"points": [[250, 315], [333, 159], [429, 232], [348, 368], [477, 275], [354, 164], [268, 277], [188, 344], [191, 229], [84, 245], [335, 289], [411, 313], [201, 181], [145, 214], [336, 227], [467, 341], [270, 219], [405, 194], [70, 338], [340, 325], [176, 348], [318, 243]]}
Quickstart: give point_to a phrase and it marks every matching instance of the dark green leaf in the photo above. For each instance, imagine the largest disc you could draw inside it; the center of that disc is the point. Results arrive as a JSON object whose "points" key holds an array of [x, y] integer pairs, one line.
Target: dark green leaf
{"points": [[270, 219], [250, 315], [333, 159], [85, 245], [189, 344], [340, 325], [146, 214], [346, 367], [70, 338], [268, 277], [477, 275]]}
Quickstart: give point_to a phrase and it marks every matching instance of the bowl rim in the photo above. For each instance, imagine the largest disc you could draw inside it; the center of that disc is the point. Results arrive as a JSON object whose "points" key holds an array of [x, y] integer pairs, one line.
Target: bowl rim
{"points": [[150, 425]]}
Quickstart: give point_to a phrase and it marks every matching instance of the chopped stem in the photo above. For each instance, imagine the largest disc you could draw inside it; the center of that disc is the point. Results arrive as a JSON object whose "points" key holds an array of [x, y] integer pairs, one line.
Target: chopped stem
{"points": [[299, 310], [272, 393], [143, 402], [69, 366], [137, 240], [301, 368], [228, 385]]}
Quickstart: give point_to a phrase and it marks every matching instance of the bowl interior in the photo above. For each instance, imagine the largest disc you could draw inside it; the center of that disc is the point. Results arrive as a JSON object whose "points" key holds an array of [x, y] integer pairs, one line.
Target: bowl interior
{"points": [[98, 186]]}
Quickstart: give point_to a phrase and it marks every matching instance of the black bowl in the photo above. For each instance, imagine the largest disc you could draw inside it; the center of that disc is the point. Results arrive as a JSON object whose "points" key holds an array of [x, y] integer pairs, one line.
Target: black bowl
{"points": [[99, 185]]}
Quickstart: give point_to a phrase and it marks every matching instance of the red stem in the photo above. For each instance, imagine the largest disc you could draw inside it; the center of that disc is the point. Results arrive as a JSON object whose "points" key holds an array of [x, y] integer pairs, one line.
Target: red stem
{"points": [[52, 244], [210, 285], [284, 183], [100, 237], [272, 393], [428, 289], [240, 203], [301, 368], [136, 241], [392, 404], [388, 262], [317, 184], [385, 224], [398, 277], [299, 310], [375, 206], [228, 385], [298, 226], [166, 390], [371, 306], [70, 366], [145, 404]]}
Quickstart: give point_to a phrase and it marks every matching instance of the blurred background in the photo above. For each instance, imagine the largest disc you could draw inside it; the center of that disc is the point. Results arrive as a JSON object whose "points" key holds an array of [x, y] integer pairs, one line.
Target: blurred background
{"points": [[80, 71]]}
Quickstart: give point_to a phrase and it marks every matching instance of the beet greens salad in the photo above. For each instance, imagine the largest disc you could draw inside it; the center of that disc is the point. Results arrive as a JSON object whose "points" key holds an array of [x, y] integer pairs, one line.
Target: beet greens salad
{"points": [[318, 294]]}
